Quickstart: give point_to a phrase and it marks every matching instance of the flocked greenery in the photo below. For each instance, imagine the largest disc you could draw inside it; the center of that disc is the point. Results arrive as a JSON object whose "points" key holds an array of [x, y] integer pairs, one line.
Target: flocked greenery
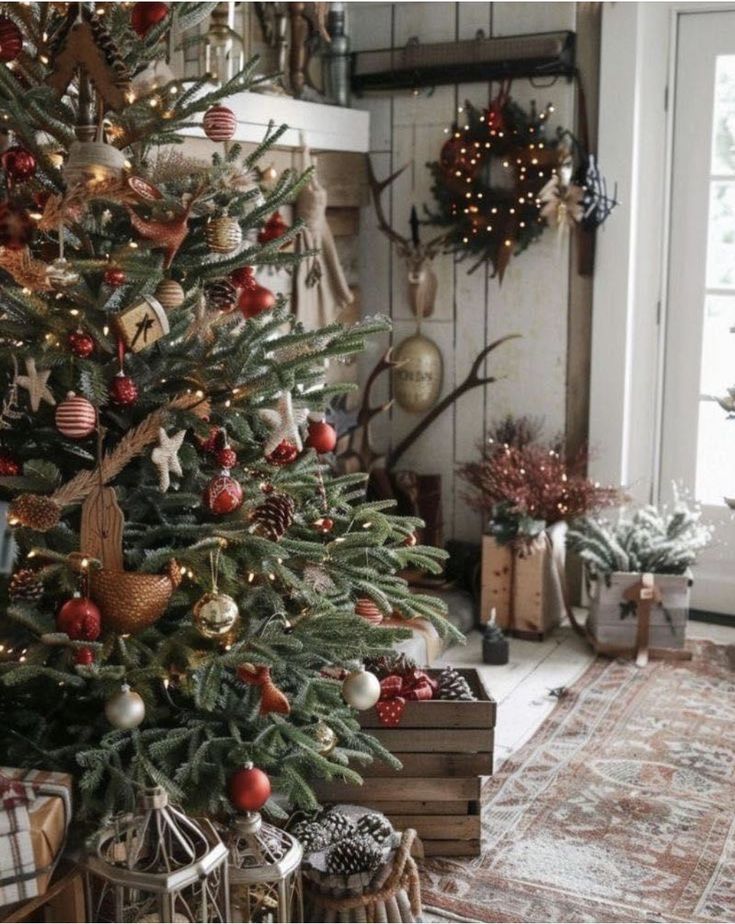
{"points": [[296, 597]]}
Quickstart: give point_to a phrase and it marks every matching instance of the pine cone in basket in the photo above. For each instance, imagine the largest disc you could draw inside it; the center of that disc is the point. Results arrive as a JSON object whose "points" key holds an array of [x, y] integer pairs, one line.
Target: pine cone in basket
{"points": [[336, 825], [354, 854], [25, 586], [375, 826], [452, 685], [311, 835], [273, 517], [387, 664]]}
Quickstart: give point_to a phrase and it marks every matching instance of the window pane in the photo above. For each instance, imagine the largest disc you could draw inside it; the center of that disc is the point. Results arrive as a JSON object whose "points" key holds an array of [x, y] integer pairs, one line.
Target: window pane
{"points": [[721, 236], [723, 140]]}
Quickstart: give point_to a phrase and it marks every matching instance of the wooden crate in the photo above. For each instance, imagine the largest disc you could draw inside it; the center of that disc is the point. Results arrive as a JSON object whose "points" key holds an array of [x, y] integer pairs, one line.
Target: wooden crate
{"points": [[445, 748]]}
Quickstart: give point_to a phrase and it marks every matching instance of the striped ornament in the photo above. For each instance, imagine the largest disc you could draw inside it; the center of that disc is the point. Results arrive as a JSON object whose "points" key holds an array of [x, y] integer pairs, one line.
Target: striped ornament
{"points": [[369, 610], [170, 294], [224, 234], [76, 417], [219, 123]]}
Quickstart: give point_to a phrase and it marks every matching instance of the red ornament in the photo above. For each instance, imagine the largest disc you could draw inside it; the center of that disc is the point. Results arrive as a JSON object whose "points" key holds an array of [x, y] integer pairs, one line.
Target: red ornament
{"points": [[16, 227], [144, 16], [18, 163], [274, 228], [226, 457], [11, 40], [81, 344], [255, 299], [322, 437], [211, 442], [9, 467], [284, 453], [80, 619], [114, 277], [369, 610], [249, 789], [84, 656], [75, 417], [123, 391], [243, 277], [222, 495], [219, 123], [324, 525]]}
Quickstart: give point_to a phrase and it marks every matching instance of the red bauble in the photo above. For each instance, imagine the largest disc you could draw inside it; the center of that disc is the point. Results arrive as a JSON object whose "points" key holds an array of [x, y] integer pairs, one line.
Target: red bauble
{"points": [[219, 123], [222, 495], [144, 16], [80, 619], [324, 525], [274, 228], [249, 789], [123, 391], [84, 656], [16, 227], [114, 277], [18, 163], [11, 40], [81, 344], [255, 299], [243, 277], [284, 453], [75, 417], [9, 467], [322, 436], [226, 457]]}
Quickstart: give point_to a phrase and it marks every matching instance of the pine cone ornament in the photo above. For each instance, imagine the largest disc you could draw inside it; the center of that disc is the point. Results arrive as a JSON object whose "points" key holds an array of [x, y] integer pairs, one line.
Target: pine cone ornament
{"points": [[376, 826], [354, 854], [452, 685], [311, 835], [273, 517], [336, 825], [34, 512], [25, 586]]}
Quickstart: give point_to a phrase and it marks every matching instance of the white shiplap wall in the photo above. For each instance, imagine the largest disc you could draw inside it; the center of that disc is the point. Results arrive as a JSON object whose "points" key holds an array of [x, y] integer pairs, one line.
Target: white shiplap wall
{"points": [[471, 310]]}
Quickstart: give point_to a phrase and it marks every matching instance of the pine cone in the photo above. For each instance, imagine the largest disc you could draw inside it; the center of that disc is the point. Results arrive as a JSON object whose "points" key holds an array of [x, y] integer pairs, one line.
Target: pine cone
{"points": [[336, 825], [452, 685], [311, 835], [34, 512], [393, 663], [376, 826], [354, 854], [25, 585], [273, 517]]}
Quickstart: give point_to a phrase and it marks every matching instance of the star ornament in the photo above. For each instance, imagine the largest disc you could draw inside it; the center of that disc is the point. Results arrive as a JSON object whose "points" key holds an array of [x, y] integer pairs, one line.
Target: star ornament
{"points": [[34, 382], [166, 457], [283, 421]]}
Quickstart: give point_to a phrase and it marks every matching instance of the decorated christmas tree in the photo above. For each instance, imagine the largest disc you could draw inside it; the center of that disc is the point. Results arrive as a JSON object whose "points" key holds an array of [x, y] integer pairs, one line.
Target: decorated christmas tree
{"points": [[191, 582]]}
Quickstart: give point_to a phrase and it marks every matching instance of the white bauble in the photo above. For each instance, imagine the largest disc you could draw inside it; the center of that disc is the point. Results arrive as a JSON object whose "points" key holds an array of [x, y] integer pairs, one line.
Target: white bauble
{"points": [[361, 689], [126, 709]]}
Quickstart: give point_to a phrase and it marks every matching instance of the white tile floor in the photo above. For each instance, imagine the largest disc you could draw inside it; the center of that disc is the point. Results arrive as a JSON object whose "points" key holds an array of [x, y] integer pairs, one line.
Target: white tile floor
{"points": [[522, 686]]}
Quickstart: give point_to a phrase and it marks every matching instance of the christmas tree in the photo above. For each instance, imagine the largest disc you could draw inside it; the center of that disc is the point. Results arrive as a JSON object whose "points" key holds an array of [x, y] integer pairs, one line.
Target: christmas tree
{"points": [[191, 581]]}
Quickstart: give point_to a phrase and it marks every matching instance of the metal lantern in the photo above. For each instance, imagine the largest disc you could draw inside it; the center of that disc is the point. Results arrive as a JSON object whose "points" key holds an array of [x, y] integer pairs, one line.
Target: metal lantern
{"points": [[265, 872], [158, 865]]}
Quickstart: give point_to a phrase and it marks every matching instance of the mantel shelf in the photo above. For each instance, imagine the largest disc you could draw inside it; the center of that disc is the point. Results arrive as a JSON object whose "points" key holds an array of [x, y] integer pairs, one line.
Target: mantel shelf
{"points": [[324, 128]]}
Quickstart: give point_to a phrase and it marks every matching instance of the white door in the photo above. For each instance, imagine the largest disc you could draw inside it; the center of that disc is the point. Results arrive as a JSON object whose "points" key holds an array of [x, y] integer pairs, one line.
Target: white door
{"points": [[698, 441]]}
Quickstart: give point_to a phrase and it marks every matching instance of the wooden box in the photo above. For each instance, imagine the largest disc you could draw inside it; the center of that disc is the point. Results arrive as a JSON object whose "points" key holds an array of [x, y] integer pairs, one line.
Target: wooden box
{"points": [[524, 585], [445, 747], [612, 623]]}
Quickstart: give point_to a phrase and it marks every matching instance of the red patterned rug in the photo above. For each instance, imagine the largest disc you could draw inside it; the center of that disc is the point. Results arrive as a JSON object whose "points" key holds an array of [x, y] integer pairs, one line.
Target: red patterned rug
{"points": [[620, 808]]}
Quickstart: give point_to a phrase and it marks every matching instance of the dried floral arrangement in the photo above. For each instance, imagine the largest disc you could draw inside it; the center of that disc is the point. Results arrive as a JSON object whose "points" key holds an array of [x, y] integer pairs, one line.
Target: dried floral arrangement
{"points": [[526, 485], [648, 539]]}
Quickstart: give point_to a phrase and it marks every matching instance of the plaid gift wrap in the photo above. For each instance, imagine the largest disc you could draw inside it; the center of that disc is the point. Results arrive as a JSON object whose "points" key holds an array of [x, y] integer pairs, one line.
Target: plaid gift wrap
{"points": [[35, 811]]}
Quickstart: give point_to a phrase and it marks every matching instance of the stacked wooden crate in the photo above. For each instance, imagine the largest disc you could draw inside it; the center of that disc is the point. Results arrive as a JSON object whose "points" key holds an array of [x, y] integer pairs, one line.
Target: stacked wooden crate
{"points": [[445, 746]]}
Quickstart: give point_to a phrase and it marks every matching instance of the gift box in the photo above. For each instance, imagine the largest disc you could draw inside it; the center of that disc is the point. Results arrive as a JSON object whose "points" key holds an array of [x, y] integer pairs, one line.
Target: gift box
{"points": [[35, 811]]}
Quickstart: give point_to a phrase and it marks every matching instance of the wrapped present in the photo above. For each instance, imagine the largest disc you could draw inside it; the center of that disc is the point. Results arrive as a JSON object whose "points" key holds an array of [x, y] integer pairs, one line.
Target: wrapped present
{"points": [[35, 811]]}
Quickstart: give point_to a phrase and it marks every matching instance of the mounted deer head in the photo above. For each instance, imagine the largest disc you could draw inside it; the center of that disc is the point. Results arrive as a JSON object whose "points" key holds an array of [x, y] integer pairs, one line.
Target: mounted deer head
{"points": [[422, 282]]}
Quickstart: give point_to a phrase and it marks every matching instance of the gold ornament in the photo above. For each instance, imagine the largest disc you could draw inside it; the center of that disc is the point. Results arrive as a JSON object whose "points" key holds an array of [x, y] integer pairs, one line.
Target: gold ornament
{"points": [[418, 373], [130, 600], [224, 234], [325, 738], [215, 614], [34, 512], [170, 294]]}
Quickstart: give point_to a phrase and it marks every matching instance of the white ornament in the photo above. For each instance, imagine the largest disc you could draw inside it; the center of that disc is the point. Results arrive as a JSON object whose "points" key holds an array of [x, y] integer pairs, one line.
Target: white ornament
{"points": [[166, 457], [361, 689], [284, 422], [34, 382], [126, 709], [60, 274]]}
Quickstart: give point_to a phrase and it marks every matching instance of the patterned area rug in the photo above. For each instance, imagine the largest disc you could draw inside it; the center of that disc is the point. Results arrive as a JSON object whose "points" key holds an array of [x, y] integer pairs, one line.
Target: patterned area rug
{"points": [[620, 808]]}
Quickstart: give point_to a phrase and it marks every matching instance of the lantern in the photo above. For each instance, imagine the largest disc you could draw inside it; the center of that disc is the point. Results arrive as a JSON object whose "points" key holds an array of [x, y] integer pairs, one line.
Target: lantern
{"points": [[265, 872], [158, 865]]}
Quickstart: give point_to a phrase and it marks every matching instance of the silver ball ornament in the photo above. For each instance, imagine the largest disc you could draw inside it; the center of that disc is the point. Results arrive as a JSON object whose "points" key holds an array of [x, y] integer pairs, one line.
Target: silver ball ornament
{"points": [[325, 738], [126, 709], [361, 689], [215, 614]]}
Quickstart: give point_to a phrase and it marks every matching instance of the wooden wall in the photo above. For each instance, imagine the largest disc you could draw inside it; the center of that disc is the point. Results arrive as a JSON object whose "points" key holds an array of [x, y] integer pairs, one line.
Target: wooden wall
{"points": [[536, 298]]}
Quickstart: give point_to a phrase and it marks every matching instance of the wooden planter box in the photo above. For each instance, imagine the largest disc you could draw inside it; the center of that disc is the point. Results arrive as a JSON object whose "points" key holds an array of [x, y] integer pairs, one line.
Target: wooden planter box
{"points": [[524, 587], [612, 624], [445, 747]]}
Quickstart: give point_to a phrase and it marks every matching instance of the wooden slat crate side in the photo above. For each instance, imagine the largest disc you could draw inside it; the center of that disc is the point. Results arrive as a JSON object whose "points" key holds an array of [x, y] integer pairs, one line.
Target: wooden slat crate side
{"points": [[415, 808], [435, 740], [398, 788], [470, 848], [440, 827], [433, 765]]}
